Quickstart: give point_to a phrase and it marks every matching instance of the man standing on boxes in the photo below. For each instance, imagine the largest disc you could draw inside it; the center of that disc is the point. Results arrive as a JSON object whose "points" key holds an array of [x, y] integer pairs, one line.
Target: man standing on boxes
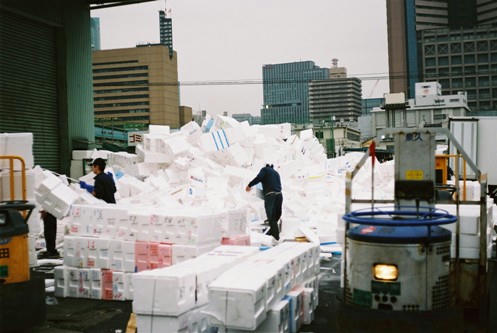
{"points": [[104, 188], [273, 199]]}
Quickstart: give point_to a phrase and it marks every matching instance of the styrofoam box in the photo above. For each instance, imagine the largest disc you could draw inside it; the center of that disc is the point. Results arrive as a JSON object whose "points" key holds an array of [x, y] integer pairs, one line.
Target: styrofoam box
{"points": [[61, 281], [17, 144], [240, 297], [82, 154], [182, 253], [314, 284], [185, 283], [469, 217], [159, 130], [59, 201], [192, 321], [30, 185], [308, 305], [76, 170], [277, 319], [296, 300]]}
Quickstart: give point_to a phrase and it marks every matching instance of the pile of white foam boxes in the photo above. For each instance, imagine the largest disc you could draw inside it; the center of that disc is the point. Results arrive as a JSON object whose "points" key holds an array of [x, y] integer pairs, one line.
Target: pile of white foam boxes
{"points": [[172, 299], [272, 291], [469, 228]]}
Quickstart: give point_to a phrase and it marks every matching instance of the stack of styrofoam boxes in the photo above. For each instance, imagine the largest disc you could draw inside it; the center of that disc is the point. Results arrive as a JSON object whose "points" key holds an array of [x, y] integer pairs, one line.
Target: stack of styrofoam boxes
{"points": [[472, 190], [92, 283], [242, 297], [152, 255], [17, 144], [169, 298], [110, 238], [469, 228], [54, 196], [188, 234], [77, 163], [96, 263], [235, 227]]}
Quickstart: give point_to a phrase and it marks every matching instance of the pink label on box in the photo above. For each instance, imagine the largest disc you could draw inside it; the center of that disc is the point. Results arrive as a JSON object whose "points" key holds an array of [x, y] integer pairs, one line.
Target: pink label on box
{"points": [[153, 250]]}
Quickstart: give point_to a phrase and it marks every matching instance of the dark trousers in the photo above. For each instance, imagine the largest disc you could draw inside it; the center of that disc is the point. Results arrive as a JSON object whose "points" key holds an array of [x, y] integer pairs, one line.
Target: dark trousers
{"points": [[272, 204], [50, 231]]}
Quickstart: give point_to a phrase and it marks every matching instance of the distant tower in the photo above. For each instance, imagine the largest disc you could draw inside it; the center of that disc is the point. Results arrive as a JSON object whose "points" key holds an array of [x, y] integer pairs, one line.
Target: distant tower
{"points": [[166, 30], [337, 72]]}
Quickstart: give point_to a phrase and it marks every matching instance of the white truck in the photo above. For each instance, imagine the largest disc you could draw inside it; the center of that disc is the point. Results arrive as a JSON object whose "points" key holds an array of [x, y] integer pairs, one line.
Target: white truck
{"points": [[478, 137]]}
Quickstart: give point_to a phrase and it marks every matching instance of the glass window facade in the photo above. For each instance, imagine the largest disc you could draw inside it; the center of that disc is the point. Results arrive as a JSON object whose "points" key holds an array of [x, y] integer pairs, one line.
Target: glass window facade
{"points": [[472, 64], [286, 92]]}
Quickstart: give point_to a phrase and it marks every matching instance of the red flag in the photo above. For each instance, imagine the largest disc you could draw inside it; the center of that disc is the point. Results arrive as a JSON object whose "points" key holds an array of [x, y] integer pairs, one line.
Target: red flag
{"points": [[372, 152]]}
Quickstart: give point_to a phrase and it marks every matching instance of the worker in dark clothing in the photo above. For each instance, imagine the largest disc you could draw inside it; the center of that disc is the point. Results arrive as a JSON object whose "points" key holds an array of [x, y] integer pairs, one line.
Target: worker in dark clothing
{"points": [[273, 199], [104, 187], [50, 233]]}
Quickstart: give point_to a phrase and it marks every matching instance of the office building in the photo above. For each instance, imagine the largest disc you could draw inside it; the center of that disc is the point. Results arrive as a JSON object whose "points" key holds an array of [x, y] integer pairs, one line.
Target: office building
{"points": [[337, 97], [166, 31], [429, 108], [407, 18], [135, 87], [185, 115], [286, 91], [463, 59], [95, 33]]}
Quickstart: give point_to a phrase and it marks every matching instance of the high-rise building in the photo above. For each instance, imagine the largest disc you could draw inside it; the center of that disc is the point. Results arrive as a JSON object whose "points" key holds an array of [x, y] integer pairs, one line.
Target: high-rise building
{"points": [[132, 87], [338, 96], [462, 59], [286, 91], [95, 33], [166, 31], [406, 20]]}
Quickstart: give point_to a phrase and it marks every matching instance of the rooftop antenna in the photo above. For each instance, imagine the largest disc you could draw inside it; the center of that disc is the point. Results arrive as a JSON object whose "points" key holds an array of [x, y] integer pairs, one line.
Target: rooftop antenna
{"points": [[334, 62]]}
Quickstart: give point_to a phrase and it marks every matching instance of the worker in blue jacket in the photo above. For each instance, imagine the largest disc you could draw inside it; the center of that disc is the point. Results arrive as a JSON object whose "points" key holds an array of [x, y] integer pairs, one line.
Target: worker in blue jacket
{"points": [[273, 199], [104, 187]]}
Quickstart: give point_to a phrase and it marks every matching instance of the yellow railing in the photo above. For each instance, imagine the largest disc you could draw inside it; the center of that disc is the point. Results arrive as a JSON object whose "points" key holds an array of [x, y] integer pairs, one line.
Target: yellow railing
{"points": [[11, 159]]}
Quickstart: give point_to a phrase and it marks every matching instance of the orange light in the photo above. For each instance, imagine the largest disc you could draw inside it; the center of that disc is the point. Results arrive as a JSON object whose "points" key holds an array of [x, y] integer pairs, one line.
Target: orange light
{"points": [[385, 272]]}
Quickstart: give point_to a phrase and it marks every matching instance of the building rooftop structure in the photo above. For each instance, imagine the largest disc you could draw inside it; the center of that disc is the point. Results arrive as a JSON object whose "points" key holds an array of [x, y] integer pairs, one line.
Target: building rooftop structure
{"points": [[428, 108]]}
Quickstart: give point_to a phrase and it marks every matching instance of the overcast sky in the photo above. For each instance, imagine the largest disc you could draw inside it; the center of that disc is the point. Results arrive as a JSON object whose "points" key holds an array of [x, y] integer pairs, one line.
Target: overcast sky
{"points": [[233, 39]]}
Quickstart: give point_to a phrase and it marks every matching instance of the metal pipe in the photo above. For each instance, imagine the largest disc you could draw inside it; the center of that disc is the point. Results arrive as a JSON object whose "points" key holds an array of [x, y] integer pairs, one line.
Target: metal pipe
{"points": [[456, 179], [464, 180], [11, 180], [482, 269], [483, 223]]}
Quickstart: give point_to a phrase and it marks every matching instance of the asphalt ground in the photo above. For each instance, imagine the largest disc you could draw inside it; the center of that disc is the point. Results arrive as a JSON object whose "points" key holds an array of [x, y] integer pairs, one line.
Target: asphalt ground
{"points": [[71, 315]]}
